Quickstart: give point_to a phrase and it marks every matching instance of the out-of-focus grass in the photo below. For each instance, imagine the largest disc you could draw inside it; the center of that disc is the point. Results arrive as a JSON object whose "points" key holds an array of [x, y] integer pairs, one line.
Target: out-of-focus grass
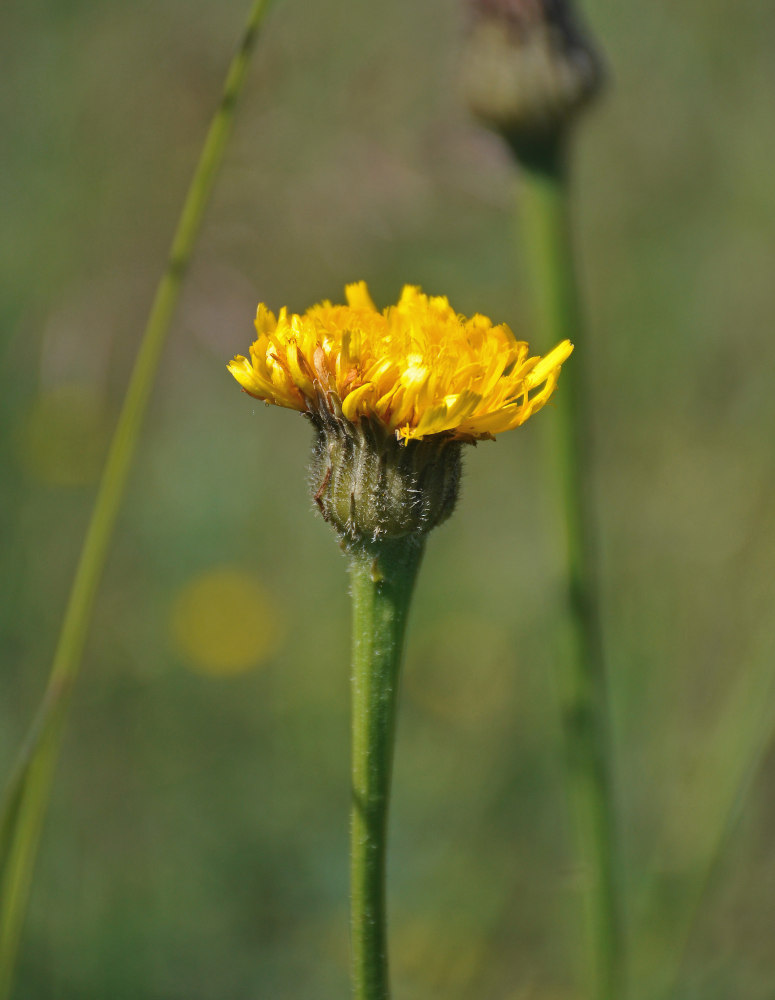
{"points": [[197, 841]]}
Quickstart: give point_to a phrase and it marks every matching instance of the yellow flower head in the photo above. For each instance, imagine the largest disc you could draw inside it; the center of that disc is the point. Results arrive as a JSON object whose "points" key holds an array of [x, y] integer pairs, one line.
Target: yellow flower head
{"points": [[417, 368]]}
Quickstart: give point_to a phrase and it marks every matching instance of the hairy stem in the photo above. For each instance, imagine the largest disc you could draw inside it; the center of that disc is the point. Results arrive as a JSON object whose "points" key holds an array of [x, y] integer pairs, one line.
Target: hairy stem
{"points": [[382, 580]]}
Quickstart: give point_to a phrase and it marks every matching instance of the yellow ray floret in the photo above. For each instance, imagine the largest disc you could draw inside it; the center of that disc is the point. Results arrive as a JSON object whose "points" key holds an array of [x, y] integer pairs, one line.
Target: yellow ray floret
{"points": [[418, 367]]}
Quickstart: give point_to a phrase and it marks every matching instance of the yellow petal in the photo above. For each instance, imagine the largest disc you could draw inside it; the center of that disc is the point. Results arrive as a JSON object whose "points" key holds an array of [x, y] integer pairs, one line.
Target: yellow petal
{"points": [[358, 296], [265, 320], [357, 402], [418, 368], [553, 359]]}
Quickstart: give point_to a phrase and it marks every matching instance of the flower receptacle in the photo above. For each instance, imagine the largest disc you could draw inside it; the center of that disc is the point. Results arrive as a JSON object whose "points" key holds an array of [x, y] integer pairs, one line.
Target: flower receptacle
{"points": [[370, 486]]}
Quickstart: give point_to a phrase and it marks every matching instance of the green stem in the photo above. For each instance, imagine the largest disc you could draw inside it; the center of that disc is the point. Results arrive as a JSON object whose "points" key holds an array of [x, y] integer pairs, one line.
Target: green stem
{"points": [[382, 579], [28, 791], [586, 715]]}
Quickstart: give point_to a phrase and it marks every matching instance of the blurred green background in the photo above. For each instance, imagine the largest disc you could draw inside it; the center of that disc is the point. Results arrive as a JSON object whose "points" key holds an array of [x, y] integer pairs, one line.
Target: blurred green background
{"points": [[197, 841]]}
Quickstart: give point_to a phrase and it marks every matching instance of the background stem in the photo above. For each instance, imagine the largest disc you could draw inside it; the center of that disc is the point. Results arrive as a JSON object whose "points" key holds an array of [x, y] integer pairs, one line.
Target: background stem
{"points": [[586, 719], [382, 581], [28, 792]]}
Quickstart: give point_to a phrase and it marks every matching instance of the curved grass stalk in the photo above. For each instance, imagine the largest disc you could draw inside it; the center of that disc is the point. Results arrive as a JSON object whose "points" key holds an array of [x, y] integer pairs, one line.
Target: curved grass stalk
{"points": [[27, 795]]}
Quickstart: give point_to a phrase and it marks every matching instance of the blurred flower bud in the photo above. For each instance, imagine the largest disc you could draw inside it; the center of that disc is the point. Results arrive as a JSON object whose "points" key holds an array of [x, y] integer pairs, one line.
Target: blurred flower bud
{"points": [[528, 69]]}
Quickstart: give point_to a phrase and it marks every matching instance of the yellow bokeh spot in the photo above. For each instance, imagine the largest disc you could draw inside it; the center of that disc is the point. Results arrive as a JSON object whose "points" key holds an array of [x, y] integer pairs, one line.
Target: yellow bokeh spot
{"points": [[64, 436], [436, 957], [461, 669], [224, 622]]}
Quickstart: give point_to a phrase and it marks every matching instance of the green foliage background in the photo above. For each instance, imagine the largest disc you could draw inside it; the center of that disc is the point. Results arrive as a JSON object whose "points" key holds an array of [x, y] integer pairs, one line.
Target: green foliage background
{"points": [[197, 841]]}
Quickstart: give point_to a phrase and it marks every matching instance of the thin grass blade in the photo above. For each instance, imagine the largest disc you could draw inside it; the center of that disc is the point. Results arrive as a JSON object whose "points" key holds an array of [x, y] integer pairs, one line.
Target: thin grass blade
{"points": [[27, 794]]}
